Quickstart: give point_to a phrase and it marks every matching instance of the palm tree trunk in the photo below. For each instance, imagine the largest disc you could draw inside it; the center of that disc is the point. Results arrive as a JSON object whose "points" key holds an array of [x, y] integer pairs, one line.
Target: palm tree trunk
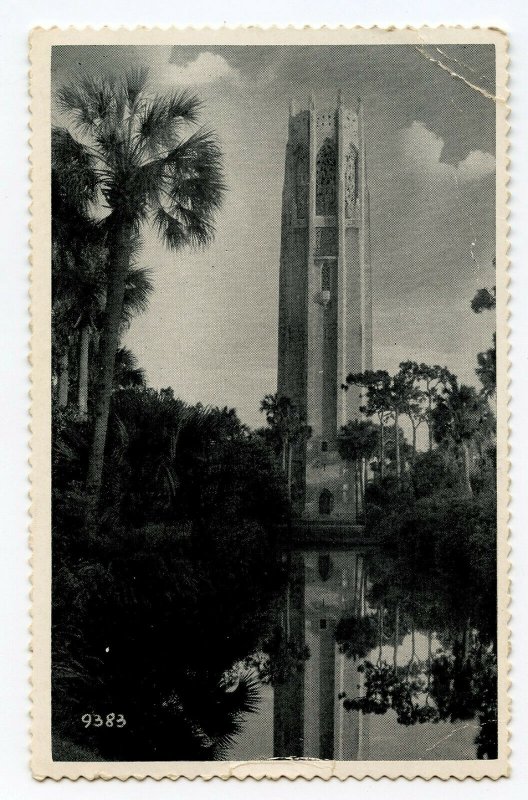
{"points": [[290, 450], [64, 380], [413, 441], [356, 489], [397, 441], [84, 350], [430, 424], [380, 634], [466, 640], [362, 485], [108, 345], [467, 474], [382, 447], [396, 635], [429, 660], [357, 586], [364, 591]]}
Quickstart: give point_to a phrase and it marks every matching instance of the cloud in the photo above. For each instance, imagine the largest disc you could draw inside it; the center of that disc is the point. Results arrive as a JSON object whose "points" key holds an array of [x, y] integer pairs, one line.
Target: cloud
{"points": [[207, 67], [476, 165], [420, 148], [421, 152], [433, 240]]}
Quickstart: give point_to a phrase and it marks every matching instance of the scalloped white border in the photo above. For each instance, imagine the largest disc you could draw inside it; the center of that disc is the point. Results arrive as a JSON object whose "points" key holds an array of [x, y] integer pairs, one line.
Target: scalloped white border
{"points": [[40, 51]]}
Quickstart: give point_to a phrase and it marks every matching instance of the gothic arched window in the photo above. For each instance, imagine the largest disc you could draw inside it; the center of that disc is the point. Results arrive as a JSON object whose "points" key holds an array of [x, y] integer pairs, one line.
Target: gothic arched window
{"points": [[325, 567], [326, 502], [351, 179], [325, 198]]}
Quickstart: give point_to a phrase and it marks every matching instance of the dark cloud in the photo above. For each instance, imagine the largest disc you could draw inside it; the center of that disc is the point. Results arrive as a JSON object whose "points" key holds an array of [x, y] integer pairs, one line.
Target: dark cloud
{"points": [[398, 83]]}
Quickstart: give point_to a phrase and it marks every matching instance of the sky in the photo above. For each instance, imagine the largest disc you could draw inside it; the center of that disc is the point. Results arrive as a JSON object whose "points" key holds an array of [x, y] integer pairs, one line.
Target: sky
{"points": [[210, 331]]}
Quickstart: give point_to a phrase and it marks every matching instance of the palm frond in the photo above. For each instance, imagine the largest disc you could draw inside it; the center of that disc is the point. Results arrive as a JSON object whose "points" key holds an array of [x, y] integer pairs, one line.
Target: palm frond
{"points": [[176, 232], [192, 188], [245, 698], [225, 718], [169, 229], [138, 288], [74, 178], [165, 474], [90, 102], [135, 83], [127, 374], [197, 156], [194, 174], [162, 117], [73, 101]]}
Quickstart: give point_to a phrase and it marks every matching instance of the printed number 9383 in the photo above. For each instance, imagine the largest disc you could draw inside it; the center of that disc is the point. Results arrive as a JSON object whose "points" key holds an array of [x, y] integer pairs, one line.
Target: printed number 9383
{"points": [[110, 721]]}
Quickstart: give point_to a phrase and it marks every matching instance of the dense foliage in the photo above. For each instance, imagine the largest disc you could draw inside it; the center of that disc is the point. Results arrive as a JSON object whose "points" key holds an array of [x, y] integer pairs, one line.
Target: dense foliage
{"points": [[437, 575], [129, 158], [180, 586]]}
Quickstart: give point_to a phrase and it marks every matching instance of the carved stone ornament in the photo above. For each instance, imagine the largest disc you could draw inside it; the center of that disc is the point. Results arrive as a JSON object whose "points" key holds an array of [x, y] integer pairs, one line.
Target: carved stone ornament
{"points": [[351, 180], [326, 196]]}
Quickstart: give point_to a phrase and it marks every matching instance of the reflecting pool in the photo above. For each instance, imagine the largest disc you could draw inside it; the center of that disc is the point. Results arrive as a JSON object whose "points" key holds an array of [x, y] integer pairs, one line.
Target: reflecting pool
{"points": [[369, 669]]}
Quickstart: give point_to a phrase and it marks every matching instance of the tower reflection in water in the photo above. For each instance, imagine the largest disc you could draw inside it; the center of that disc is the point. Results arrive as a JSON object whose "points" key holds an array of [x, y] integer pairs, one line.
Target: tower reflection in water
{"points": [[309, 717]]}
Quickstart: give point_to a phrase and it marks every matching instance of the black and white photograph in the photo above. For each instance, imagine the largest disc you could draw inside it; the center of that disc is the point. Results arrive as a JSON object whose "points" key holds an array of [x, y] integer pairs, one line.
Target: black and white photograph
{"points": [[273, 388]]}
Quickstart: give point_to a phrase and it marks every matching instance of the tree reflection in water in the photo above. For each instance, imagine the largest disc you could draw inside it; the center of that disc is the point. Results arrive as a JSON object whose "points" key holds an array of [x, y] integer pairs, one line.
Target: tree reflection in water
{"points": [[437, 576], [456, 682], [397, 645]]}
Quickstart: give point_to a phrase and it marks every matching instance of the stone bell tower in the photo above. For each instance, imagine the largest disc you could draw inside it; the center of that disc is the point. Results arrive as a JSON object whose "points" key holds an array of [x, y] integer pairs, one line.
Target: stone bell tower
{"points": [[325, 302]]}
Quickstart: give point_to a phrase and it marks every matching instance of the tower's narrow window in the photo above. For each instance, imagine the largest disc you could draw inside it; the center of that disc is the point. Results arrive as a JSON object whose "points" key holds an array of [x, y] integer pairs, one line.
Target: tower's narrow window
{"points": [[326, 502], [325, 277], [325, 567], [325, 199], [324, 447]]}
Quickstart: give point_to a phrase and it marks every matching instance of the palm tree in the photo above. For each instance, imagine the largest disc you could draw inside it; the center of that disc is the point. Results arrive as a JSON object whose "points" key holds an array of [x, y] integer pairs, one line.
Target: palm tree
{"points": [[486, 299], [78, 249], [147, 169], [127, 374], [460, 414], [79, 272], [287, 425], [277, 411], [378, 402], [138, 288], [402, 395], [432, 381], [90, 297], [358, 441]]}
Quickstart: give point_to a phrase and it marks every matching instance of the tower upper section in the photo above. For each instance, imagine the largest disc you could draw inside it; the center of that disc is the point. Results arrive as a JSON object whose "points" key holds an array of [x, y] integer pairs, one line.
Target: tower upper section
{"points": [[325, 145]]}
